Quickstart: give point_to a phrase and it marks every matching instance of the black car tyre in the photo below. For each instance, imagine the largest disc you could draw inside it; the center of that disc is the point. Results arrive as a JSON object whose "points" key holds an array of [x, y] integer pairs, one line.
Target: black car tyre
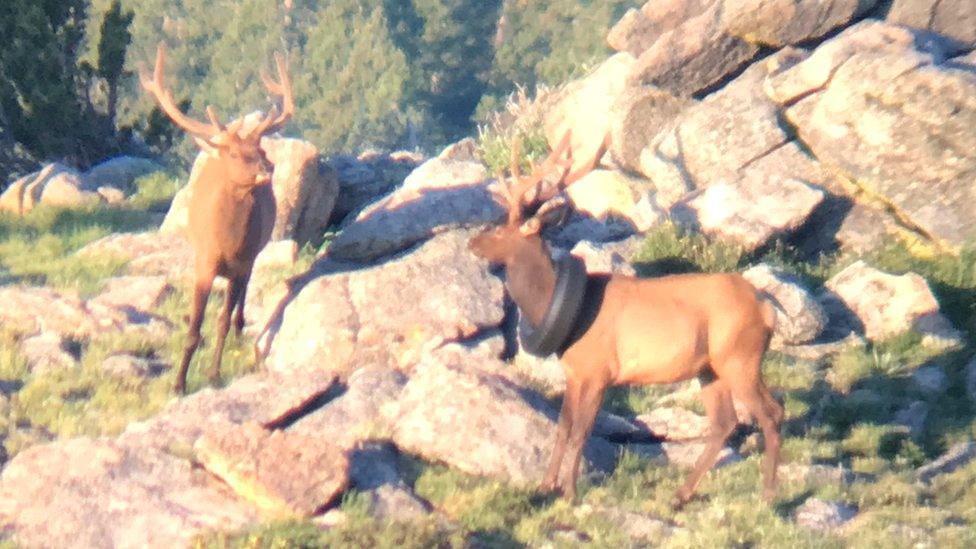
{"points": [[564, 309]]}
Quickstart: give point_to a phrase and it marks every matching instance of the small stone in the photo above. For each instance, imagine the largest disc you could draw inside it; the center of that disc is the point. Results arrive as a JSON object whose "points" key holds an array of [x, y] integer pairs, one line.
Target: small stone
{"points": [[971, 378], [931, 379], [824, 516], [885, 304], [913, 417], [111, 195], [376, 474], [48, 352], [800, 318], [123, 365]]}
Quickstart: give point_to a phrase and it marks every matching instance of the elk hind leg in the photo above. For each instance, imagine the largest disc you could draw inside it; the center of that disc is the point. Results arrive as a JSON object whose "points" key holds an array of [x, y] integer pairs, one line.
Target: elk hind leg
{"points": [[769, 415], [201, 292], [721, 422]]}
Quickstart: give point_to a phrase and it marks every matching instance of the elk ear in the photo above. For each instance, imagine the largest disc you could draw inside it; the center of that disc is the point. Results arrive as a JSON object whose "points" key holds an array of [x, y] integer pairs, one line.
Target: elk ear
{"points": [[531, 227]]}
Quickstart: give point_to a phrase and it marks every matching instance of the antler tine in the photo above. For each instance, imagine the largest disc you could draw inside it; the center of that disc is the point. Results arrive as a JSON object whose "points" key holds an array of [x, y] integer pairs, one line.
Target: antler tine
{"points": [[163, 96], [275, 120], [213, 118]]}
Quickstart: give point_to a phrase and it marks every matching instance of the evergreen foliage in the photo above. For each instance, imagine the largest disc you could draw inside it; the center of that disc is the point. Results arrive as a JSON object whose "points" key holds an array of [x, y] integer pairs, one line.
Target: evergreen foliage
{"points": [[390, 73]]}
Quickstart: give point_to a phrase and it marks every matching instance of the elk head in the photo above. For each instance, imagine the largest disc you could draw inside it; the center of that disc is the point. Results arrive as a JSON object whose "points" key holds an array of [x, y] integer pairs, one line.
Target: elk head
{"points": [[244, 162], [517, 236]]}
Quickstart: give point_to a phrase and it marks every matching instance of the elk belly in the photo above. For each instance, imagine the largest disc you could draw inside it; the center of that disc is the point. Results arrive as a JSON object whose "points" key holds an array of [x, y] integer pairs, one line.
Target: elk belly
{"points": [[655, 349]]}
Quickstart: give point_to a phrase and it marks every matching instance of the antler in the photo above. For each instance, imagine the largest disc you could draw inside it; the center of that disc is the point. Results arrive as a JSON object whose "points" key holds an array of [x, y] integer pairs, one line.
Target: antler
{"points": [[275, 120], [163, 96], [512, 194]]}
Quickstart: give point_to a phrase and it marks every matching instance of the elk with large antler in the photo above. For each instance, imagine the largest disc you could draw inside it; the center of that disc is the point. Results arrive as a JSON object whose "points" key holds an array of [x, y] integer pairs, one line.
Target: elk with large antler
{"points": [[625, 330], [232, 206]]}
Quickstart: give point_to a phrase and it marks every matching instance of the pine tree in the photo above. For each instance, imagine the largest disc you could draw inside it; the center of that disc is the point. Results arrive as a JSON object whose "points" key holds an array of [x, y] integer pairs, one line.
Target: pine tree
{"points": [[41, 103]]}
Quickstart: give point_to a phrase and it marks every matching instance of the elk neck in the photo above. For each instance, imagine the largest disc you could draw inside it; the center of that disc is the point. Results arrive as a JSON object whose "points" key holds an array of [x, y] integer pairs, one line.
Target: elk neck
{"points": [[531, 280]]}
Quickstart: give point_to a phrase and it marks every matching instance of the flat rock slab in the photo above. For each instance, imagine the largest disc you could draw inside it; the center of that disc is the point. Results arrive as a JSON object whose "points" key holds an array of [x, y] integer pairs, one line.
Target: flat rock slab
{"points": [[100, 493], [885, 304], [285, 474], [30, 310], [800, 318], [143, 293], [453, 411], [265, 398], [148, 253], [442, 293]]}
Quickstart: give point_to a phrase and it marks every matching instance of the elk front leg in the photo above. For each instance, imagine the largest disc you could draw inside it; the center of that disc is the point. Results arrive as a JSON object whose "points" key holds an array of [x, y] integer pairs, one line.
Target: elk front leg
{"points": [[233, 295], [201, 292], [591, 396], [239, 314], [570, 404]]}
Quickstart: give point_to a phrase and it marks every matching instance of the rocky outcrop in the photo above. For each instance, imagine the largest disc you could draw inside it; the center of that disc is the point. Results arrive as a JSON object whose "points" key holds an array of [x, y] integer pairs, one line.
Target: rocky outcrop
{"points": [[439, 196], [688, 48], [953, 19], [368, 177], [868, 104], [118, 173], [443, 294], [784, 22], [54, 185]]}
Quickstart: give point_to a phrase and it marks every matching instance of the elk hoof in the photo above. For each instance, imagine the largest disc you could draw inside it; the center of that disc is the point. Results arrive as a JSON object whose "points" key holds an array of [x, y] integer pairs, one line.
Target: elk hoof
{"points": [[179, 388], [214, 378], [680, 499]]}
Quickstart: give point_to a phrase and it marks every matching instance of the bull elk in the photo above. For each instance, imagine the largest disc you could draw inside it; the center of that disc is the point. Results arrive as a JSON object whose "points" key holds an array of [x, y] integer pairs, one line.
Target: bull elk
{"points": [[636, 331], [232, 206]]}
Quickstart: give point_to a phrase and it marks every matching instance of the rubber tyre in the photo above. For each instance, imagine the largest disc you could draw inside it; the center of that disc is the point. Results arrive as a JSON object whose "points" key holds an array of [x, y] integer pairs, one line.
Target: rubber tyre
{"points": [[564, 309]]}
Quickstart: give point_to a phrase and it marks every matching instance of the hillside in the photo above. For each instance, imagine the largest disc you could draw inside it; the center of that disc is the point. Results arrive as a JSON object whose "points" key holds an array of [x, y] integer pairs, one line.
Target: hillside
{"points": [[824, 149]]}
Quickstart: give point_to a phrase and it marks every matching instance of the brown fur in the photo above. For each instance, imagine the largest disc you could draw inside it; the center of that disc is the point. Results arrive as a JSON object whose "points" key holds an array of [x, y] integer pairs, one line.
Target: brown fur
{"points": [[231, 211], [648, 331]]}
